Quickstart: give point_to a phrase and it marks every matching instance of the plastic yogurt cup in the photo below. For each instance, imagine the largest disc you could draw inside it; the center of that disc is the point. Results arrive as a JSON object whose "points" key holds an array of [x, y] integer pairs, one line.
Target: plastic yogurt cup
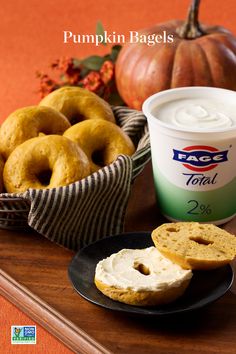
{"points": [[193, 146]]}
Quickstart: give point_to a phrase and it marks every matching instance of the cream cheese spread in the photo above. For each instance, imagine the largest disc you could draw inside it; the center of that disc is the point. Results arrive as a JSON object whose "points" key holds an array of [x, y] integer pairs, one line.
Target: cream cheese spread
{"points": [[140, 270], [197, 113]]}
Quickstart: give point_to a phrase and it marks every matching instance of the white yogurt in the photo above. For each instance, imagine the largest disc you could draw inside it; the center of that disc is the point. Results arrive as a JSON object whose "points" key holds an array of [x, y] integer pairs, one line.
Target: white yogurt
{"points": [[193, 144], [197, 113]]}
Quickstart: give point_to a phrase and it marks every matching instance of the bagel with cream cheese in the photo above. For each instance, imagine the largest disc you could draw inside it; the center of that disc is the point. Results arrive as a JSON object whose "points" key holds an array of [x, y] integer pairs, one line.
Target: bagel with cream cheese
{"points": [[141, 277]]}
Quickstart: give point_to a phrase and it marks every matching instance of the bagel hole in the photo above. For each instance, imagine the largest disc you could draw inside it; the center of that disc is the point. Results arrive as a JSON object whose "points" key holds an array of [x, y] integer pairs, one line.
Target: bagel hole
{"points": [[171, 229], [98, 158], [44, 177], [201, 241], [76, 118], [141, 268]]}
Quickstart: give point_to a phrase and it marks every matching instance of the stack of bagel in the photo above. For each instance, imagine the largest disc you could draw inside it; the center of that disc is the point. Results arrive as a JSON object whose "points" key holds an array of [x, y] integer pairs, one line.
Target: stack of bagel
{"points": [[69, 135]]}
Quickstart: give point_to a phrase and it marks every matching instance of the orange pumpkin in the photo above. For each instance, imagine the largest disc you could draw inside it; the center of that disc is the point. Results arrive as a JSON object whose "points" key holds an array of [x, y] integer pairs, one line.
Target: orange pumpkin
{"points": [[198, 56]]}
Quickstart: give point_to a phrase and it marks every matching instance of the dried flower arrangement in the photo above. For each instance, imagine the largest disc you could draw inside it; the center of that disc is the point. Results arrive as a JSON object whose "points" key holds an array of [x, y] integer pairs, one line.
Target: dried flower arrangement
{"points": [[94, 73]]}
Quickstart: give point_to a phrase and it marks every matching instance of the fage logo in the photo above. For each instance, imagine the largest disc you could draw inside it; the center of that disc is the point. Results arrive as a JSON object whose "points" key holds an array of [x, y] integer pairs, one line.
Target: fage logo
{"points": [[200, 158]]}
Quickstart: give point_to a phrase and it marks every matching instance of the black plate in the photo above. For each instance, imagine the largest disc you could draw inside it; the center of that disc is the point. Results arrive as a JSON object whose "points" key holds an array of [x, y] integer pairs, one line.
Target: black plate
{"points": [[205, 286]]}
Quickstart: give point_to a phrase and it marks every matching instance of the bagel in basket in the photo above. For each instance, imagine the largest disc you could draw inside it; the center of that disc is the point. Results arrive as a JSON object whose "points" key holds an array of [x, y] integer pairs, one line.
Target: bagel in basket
{"points": [[141, 277], [78, 104], [45, 162], [102, 141], [195, 246], [1, 173], [29, 122]]}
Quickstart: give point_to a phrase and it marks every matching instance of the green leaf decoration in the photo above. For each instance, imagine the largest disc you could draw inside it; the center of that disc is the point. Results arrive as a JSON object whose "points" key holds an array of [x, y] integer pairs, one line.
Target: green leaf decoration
{"points": [[114, 52], [100, 31], [84, 71], [94, 62], [107, 57], [81, 68], [76, 62]]}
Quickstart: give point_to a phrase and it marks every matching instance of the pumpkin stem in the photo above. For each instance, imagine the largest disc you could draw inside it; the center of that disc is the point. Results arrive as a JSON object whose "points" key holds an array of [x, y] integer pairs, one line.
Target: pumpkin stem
{"points": [[191, 28]]}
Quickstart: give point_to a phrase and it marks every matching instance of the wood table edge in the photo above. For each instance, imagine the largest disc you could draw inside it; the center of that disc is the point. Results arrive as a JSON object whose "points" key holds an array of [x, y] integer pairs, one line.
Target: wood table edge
{"points": [[73, 337]]}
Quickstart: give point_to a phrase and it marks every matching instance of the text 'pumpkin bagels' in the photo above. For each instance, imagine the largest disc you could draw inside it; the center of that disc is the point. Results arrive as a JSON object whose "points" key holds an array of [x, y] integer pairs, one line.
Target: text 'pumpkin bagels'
{"points": [[28, 122], [101, 141], [199, 55], [78, 104], [45, 162]]}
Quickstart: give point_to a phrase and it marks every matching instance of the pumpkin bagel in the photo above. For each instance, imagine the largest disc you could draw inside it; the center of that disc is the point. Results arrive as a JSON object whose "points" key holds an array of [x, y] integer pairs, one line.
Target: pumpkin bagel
{"points": [[29, 122], [102, 141], [78, 104], [141, 277], [195, 246], [1, 173], [45, 162]]}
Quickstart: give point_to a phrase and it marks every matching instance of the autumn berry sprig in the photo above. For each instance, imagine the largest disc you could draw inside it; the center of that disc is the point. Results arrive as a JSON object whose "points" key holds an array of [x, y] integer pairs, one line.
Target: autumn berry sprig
{"points": [[94, 73]]}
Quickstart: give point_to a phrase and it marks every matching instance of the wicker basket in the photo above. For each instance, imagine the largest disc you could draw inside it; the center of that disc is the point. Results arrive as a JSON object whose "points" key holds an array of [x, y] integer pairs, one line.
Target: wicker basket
{"points": [[14, 213], [34, 207]]}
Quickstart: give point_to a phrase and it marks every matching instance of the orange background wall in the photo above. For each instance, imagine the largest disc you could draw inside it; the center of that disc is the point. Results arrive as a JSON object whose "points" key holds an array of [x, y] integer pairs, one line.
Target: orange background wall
{"points": [[31, 34], [31, 37]]}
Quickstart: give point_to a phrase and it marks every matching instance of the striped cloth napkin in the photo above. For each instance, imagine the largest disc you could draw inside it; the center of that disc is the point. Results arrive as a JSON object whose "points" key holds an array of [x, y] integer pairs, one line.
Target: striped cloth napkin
{"points": [[83, 212]]}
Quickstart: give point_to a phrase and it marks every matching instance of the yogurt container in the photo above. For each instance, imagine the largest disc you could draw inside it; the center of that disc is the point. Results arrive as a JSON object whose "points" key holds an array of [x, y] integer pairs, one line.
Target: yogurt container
{"points": [[193, 146]]}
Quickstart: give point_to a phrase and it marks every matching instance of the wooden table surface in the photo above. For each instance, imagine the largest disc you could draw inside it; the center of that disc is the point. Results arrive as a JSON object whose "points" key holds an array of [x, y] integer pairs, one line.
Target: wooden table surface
{"points": [[33, 275]]}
